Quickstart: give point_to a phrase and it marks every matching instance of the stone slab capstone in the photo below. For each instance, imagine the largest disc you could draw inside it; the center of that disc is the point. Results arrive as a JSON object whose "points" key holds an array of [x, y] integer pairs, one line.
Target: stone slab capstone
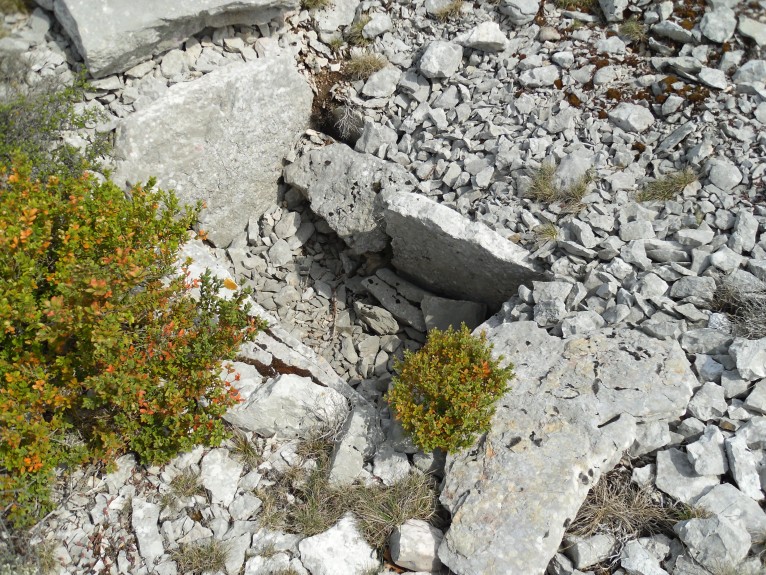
{"points": [[220, 139], [452, 256], [345, 188], [570, 414], [115, 35]]}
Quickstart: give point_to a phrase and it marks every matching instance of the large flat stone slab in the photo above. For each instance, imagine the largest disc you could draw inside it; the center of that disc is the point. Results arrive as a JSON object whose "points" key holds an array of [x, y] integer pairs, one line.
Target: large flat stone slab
{"points": [[220, 139], [345, 188], [114, 35], [452, 256], [570, 414]]}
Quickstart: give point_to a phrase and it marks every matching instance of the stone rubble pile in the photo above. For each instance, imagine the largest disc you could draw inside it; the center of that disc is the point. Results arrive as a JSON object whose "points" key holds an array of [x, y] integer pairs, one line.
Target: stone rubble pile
{"points": [[609, 307]]}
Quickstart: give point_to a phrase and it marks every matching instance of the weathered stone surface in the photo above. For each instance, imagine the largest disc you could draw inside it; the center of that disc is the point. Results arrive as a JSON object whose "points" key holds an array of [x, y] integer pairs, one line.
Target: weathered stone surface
{"points": [[677, 477], [219, 139], [345, 188], [568, 418], [414, 546], [486, 37], [113, 35], [356, 442], [714, 542], [441, 59], [340, 549], [731, 504], [750, 356], [452, 256], [144, 519], [289, 406], [442, 313], [219, 474]]}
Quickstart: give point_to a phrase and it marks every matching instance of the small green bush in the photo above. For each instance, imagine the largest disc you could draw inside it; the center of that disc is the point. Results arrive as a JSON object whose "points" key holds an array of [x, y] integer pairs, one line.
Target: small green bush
{"points": [[35, 120], [99, 338], [445, 393]]}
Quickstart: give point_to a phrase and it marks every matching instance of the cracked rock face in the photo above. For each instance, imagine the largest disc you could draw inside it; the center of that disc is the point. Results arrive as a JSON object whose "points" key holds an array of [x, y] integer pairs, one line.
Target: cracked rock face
{"points": [[452, 255], [344, 187], [571, 412]]}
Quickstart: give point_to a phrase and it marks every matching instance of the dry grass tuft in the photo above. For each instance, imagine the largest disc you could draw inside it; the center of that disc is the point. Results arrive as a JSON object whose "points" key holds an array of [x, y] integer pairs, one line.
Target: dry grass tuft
{"points": [[185, 484], [667, 187], [354, 34], [450, 12], [633, 29], [315, 4], [546, 233], [15, 7], [363, 65], [198, 558], [544, 188], [245, 450], [302, 500], [587, 6], [627, 511], [745, 307]]}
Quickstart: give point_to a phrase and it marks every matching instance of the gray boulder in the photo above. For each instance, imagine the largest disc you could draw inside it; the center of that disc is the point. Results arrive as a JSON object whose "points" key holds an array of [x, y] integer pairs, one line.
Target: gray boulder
{"points": [[340, 549], [631, 117], [345, 188], [219, 139], [486, 37], [520, 11], [567, 419], [289, 406], [414, 546], [442, 313], [356, 443], [114, 35], [441, 59], [451, 255], [714, 542]]}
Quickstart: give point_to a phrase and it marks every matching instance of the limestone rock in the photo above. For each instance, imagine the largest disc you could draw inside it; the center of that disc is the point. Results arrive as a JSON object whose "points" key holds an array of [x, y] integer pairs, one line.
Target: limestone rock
{"points": [[219, 139], [677, 477], [750, 356], [356, 443], [414, 546], [219, 474], [345, 187], [452, 256], [631, 117], [442, 313], [441, 59], [520, 11], [340, 549], [567, 419], [486, 37], [714, 542], [144, 519], [113, 35], [290, 406]]}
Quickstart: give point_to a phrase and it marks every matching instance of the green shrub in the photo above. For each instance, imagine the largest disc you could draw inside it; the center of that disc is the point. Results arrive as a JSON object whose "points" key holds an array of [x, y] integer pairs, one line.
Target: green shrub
{"points": [[98, 337], [445, 393], [35, 120]]}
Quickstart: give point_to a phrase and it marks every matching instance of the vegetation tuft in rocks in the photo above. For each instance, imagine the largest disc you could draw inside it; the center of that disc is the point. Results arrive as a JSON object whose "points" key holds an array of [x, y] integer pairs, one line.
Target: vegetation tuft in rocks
{"points": [[445, 393]]}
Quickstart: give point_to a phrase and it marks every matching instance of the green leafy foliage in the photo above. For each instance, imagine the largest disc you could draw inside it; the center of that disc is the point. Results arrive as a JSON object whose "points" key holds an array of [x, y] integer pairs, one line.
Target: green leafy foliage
{"points": [[99, 338], [445, 393], [35, 121]]}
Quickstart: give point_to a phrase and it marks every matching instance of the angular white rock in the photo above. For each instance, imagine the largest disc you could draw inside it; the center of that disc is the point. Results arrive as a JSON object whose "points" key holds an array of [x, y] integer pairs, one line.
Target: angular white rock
{"points": [[219, 474], [414, 546], [340, 549]]}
